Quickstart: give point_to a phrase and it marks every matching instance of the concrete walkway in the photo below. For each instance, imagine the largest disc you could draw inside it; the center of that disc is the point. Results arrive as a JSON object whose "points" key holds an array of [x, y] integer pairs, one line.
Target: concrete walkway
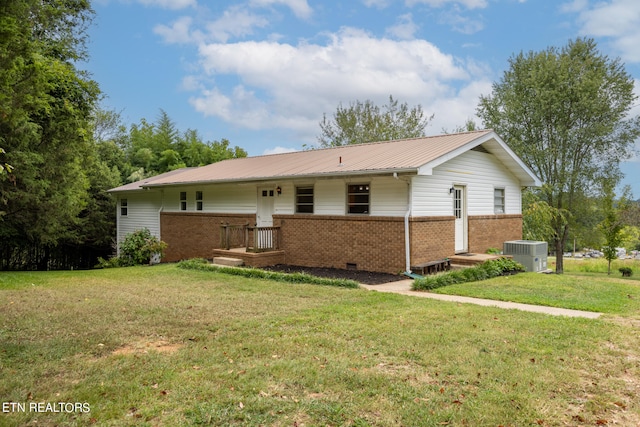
{"points": [[403, 287]]}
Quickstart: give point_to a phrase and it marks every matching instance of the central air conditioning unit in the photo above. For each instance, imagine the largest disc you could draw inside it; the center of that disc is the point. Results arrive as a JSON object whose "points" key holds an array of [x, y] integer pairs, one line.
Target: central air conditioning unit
{"points": [[530, 253]]}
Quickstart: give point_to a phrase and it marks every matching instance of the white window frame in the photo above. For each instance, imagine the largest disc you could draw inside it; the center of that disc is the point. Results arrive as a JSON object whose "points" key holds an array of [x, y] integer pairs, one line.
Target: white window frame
{"points": [[199, 200], [183, 200], [305, 196], [353, 192], [499, 205]]}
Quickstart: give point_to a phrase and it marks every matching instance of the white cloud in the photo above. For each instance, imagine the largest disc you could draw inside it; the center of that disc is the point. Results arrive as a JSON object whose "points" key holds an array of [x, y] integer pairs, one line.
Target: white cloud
{"points": [[380, 4], [235, 22], [290, 86], [170, 4], [574, 6], [469, 4], [300, 8], [618, 20], [279, 150], [460, 23], [405, 28], [178, 32]]}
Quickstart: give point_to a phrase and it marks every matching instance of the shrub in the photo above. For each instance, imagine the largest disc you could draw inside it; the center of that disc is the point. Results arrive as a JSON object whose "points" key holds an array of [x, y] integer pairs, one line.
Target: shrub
{"points": [[626, 271], [256, 273], [137, 248], [486, 270]]}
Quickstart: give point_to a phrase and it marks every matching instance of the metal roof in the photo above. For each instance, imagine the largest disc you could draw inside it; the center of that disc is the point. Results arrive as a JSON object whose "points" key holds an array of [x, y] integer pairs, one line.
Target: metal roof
{"points": [[140, 185], [417, 155]]}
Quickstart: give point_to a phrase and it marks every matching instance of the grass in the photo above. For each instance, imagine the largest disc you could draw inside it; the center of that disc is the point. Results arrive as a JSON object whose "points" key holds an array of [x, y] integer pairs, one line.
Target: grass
{"points": [[166, 346], [598, 294], [584, 286]]}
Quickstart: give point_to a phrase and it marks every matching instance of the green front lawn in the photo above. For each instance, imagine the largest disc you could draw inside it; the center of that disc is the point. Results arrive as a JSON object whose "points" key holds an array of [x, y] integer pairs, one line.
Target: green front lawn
{"points": [[579, 291], [166, 346]]}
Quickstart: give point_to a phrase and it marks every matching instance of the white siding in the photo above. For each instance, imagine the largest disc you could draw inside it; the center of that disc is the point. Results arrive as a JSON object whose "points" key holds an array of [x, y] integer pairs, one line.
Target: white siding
{"points": [[389, 196], [285, 202], [330, 197], [480, 172], [142, 212], [225, 198]]}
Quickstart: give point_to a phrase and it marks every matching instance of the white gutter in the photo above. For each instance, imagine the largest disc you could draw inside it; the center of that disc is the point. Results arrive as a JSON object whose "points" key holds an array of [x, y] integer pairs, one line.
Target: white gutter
{"points": [[407, 235]]}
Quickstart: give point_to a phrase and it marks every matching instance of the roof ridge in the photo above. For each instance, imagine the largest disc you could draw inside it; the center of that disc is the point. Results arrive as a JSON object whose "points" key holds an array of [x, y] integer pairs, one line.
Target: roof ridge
{"points": [[363, 144]]}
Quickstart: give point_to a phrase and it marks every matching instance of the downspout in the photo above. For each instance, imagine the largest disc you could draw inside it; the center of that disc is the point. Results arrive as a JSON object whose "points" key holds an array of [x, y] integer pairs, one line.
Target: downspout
{"points": [[407, 243], [407, 235], [160, 212]]}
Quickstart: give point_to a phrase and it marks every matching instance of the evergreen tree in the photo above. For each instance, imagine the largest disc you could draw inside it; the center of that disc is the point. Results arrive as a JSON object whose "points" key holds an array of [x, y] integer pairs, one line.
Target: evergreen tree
{"points": [[45, 106]]}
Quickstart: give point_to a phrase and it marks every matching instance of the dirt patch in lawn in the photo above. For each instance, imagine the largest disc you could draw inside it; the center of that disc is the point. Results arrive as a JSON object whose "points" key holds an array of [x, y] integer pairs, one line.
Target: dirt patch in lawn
{"points": [[364, 277], [145, 347]]}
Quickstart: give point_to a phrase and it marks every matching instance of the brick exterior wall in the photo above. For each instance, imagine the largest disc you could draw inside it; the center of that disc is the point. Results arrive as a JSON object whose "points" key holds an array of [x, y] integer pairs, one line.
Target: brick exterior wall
{"points": [[371, 243], [432, 238], [195, 234], [491, 231]]}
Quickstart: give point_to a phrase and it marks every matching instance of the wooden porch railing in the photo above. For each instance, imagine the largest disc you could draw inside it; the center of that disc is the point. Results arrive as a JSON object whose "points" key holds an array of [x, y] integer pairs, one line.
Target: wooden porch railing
{"points": [[234, 236], [265, 239], [254, 239]]}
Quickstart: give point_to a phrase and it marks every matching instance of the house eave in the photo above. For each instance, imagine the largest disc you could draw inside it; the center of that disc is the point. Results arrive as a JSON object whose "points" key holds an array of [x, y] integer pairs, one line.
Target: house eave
{"points": [[249, 180], [496, 147]]}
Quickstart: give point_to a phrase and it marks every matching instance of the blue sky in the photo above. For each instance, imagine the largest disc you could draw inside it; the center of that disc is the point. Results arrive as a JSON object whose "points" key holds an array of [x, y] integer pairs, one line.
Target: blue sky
{"points": [[261, 73]]}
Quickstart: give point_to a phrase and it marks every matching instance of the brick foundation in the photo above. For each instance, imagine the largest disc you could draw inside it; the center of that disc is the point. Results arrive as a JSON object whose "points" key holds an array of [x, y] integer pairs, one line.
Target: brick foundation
{"points": [[194, 235], [370, 243], [491, 231], [432, 238]]}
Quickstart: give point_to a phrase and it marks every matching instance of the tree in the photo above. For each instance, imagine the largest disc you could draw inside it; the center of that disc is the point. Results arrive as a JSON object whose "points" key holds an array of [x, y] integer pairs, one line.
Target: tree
{"points": [[565, 113], [537, 217], [154, 148], [45, 108], [5, 168], [365, 122], [469, 126], [612, 225]]}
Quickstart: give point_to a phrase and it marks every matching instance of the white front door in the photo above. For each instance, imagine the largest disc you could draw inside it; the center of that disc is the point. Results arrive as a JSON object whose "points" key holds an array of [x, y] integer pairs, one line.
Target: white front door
{"points": [[264, 217], [266, 197], [460, 213]]}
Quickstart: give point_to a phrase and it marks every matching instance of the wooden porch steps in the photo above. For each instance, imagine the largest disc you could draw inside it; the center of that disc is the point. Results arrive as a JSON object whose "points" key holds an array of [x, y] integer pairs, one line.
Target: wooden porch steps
{"points": [[228, 261], [471, 259], [252, 259]]}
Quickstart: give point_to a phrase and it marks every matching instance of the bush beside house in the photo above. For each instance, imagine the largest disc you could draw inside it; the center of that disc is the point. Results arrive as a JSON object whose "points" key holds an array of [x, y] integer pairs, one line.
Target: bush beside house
{"points": [[484, 271], [137, 248]]}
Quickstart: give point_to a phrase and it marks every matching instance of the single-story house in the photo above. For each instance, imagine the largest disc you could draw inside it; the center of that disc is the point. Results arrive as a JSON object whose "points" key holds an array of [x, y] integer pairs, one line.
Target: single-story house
{"points": [[381, 207]]}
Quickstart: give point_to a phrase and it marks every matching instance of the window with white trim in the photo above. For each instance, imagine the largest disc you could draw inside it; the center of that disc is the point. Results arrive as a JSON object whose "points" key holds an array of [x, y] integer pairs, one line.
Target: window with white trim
{"points": [[304, 200], [498, 200], [124, 208], [199, 200], [358, 198], [183, 200]]}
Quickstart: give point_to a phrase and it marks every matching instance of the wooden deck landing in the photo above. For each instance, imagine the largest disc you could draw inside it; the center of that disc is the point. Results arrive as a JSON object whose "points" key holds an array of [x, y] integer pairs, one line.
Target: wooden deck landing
{"points": [[471, 259], [252, 259]]}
